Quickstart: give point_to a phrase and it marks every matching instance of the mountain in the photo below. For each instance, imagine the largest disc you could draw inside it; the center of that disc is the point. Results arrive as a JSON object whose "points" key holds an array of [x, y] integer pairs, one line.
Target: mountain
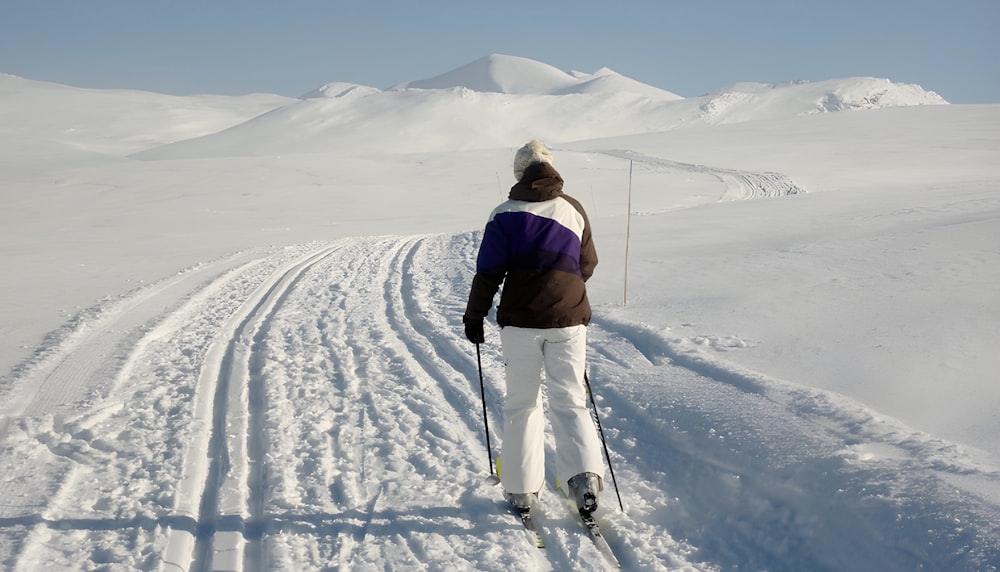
{"points": [[498, 99], [489, 103], [514, 75], [499, 74]]}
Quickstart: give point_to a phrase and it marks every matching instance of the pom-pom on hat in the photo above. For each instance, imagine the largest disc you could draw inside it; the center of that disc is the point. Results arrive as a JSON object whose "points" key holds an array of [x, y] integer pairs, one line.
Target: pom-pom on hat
{"points": [[532, 152]]}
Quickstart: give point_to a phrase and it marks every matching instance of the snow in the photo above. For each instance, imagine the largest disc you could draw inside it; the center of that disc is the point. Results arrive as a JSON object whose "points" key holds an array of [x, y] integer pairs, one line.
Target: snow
{"points": [[499, 73], [231, 326]]}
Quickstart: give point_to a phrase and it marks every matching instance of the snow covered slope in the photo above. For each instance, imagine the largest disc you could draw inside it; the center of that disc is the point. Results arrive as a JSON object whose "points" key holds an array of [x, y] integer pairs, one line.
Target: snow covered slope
{"points": [[116, 121], [521, 76]]}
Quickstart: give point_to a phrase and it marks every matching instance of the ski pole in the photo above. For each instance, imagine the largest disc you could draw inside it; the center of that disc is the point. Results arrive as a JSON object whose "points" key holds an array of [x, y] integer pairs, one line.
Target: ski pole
{"points": [[486, 421], [604, 442]]}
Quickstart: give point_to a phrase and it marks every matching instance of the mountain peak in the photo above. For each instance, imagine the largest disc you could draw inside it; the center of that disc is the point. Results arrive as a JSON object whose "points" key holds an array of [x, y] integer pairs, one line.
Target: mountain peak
{"points": [[501, 74], [339, 89]]}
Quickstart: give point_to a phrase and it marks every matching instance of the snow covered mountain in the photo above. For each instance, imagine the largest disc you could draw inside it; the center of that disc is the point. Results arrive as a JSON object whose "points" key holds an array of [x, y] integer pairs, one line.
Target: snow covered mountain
{"points": [[514, 75], [496, 99], [490, 102], [117, 121]]}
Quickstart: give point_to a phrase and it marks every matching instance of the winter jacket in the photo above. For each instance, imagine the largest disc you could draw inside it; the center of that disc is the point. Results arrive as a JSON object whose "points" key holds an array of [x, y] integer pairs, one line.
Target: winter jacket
{"points": [[539, 245]]}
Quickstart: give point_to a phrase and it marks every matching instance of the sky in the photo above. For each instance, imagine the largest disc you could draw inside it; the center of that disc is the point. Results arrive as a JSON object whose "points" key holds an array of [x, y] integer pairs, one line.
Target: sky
{"points": [[689, 47]]}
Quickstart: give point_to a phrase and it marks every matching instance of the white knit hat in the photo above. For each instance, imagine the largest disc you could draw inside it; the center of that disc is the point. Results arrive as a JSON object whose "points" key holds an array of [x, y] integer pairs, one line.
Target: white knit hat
{"points": [[532, 152]]}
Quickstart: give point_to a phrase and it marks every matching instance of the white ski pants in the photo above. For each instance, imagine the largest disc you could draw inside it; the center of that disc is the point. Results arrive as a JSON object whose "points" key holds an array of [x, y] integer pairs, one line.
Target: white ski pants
{"points": [[561, 354]]}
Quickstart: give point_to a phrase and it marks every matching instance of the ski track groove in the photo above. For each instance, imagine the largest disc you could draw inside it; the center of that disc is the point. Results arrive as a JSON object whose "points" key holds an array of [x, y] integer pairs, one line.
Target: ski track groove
{"points": [[412, 368], [235, 382], [450, 371], [257, 438], [352, 483], [117, 337]]}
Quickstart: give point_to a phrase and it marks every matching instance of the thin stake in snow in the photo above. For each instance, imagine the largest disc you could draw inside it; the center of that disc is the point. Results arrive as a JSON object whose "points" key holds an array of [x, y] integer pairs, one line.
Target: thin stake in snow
{"points": [[628, 234]]}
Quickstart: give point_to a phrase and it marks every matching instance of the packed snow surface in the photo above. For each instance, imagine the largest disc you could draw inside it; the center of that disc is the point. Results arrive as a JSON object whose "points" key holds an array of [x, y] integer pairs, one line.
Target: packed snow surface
{"points": [[231, 326]]}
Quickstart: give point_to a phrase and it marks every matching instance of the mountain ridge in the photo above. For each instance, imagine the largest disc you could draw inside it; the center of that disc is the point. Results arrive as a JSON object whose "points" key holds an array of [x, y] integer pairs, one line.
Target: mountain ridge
{"points": [[498, 99], [493, 100], [514, 75]]}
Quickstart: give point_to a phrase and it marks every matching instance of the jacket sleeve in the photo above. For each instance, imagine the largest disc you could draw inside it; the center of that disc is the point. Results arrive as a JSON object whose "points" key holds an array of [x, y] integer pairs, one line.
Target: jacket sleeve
{"points": [[484, 288], [491, 269], [588, 253]]}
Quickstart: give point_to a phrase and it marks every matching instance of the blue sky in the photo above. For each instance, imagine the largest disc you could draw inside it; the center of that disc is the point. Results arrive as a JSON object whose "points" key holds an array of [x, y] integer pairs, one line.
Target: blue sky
{"points": [[690, 47]]}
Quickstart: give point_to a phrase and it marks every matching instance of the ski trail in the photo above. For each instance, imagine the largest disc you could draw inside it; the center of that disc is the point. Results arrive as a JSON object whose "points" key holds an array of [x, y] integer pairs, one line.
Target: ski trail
{"points": [[115, 465], [386, 431], [739, 185], [432, 345], [316, 405], [320, 407], [228, 494], [89, 363]]}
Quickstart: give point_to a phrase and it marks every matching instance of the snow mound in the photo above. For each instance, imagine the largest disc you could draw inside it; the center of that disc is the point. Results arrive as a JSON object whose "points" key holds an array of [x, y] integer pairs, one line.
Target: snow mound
{"points": [[875, 93], [758, 101]]}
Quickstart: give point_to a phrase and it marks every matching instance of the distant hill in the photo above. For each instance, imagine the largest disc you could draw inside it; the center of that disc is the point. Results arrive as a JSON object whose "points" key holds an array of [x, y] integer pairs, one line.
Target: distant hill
{"points": [[498, 99], [118, 121], [514, 75], [495, 101]]}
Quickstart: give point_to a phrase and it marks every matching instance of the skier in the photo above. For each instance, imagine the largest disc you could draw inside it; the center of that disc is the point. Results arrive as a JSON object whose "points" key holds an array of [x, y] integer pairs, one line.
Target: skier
{"points": [[538, 243]]}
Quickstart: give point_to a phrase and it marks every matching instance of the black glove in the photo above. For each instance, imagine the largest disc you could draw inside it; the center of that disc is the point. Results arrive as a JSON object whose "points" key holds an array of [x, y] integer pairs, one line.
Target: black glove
{"points": [[474, 329]]}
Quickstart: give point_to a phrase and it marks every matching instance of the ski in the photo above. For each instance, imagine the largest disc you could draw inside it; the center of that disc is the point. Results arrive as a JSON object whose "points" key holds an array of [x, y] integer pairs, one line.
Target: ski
{"points": [[523, 513], [594, 531], [529, 526]]}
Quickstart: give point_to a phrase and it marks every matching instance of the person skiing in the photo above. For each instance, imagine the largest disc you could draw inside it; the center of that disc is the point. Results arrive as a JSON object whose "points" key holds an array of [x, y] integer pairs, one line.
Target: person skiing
{"points": [[539, 245]]}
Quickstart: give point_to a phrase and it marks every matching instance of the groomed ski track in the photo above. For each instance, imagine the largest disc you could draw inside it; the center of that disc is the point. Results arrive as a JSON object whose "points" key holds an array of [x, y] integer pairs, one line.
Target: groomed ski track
{"points": [[318, 404]]}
